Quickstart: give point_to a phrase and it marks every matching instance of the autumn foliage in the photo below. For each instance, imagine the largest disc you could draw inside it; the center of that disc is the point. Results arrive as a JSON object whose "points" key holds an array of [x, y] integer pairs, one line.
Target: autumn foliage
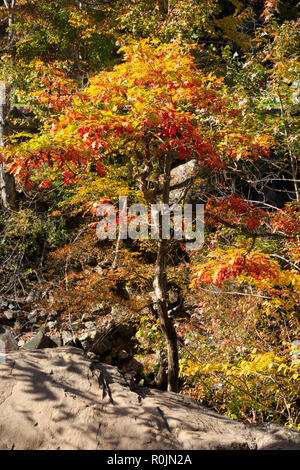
{"points": [[107, 125]]}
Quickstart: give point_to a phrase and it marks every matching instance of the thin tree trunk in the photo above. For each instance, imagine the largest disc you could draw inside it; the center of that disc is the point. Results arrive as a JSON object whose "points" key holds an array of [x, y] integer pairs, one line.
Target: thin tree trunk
{"points": [[7, 180], [161, 292]]}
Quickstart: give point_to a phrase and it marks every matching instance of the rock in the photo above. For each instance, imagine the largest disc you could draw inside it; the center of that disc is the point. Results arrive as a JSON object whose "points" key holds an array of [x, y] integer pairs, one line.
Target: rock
{"points": [[84, 340], [7, 342], [99, 270], [84, 336], [161, 379], [3, 303], [32, 316], [121, 289], [101, 341], [92, 356], [52, 325], [132, 367], [92, 261], [10, 314], [124, 331], [52, 315], [76, 325], [67, 338], [181, 176], [122, 355], [58, 399], [40, 341], [31, 296], [101, 345], [116, 311], [43, 316], [93, 334], [97, 308], [275, 437], [57, 339]]}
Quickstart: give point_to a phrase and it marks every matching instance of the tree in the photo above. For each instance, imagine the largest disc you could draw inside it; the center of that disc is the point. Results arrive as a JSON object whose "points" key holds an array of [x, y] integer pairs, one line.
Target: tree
{"points": [[152, 111], [133, 125]]}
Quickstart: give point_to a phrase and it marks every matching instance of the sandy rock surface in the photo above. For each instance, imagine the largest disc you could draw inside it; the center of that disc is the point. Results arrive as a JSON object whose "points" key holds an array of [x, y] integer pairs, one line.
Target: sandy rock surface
{"points": [[59, 399]]}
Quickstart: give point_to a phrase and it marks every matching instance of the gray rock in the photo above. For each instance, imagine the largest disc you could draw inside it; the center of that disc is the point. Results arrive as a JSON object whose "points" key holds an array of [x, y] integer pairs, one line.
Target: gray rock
{"points": [[84, 340], [40, 341], [67, 338], [52, 325], [52, 315], [7, 341], [84, 336], [76, 325], [131, 367], [57, 339], [181, 176], [30, 297], [10, 314], [32, 316], [92, 356], [116, 311], [272, 436]]}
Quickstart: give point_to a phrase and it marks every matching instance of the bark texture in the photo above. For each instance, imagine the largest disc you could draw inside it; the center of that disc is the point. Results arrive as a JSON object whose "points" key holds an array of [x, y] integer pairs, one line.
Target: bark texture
{"points": [[7, 181], [161, 290]]}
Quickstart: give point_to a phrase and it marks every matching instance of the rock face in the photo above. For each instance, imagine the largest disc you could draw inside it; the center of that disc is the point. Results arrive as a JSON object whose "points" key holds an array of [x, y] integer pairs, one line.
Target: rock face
{"points": [[59, 399]]}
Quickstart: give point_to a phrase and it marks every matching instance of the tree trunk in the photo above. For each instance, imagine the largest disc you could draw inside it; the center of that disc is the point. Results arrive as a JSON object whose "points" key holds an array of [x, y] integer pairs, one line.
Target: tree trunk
{"points": [[160, 287], [7, 180], [161, 292]]}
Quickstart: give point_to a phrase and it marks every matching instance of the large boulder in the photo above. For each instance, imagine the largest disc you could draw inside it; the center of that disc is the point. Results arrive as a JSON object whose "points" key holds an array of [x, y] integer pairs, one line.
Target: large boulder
{"points": [[59, 399], [182, 181]]}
